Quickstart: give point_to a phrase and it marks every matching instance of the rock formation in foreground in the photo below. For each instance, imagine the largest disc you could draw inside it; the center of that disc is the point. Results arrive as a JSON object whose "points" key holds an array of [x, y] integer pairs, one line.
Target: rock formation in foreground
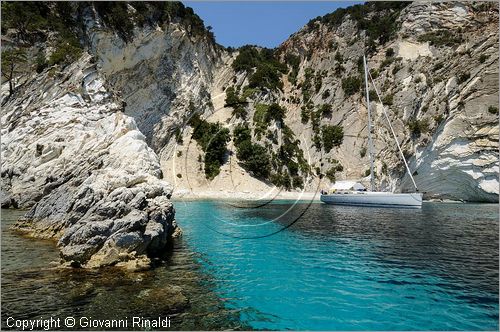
{"points": [[68, 148]]}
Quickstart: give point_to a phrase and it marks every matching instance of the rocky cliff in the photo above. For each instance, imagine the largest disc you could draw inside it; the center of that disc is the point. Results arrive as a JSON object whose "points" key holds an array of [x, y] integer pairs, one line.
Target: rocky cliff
{"points": [[436, 68], [438, 76], [116, 106]]}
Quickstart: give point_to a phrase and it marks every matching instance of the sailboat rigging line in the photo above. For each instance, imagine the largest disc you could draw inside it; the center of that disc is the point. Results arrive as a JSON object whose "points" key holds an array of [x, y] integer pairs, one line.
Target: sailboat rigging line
{"points": [[392, 129]]}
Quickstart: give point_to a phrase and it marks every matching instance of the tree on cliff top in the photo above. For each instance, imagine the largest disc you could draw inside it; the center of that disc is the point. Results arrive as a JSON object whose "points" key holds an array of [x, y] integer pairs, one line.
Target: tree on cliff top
{"points": [[13, 61]]}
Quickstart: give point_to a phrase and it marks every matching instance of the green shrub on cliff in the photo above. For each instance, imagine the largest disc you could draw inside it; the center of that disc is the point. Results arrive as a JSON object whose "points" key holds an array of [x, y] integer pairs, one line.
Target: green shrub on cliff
{"points": [[212, 138], [325, 110], [332, 171], [377, 18], [493, 110], [67, 50], [462, 77], [351, 85], [23, 16], [293, 61], [388, 99], [267, 76], [116, 16], [236, 103], [268, 69], [418, 127], [13, 63], [332, 136], [253, 157], [441, 38], [248, 58], [483, 58], [35, 21]]}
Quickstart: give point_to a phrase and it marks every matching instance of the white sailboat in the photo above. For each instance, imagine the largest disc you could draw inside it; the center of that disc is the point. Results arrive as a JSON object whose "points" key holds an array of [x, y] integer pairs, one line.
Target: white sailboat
{"points": [[354, 195]]}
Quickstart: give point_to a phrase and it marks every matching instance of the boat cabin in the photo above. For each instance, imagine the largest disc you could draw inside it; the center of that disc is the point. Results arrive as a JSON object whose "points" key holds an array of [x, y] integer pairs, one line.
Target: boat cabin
{"points": [[340, 186]]}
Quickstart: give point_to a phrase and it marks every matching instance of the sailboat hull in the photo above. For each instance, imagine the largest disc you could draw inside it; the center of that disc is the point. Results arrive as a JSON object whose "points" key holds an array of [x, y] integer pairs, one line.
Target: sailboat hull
{"points": [[376, 199]]}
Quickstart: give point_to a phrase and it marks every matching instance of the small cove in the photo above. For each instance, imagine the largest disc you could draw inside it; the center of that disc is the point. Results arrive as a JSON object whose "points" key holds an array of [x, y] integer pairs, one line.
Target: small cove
{"points": [[350, 268]]}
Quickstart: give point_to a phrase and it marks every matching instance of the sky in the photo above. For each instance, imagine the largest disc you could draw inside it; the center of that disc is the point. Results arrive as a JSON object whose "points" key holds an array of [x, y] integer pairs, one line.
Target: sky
{"points": [[262, 23]]}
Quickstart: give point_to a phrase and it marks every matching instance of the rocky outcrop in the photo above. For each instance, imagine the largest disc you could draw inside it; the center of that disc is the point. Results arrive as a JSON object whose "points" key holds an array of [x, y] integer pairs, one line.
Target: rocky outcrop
{"points": [[68, 148]]}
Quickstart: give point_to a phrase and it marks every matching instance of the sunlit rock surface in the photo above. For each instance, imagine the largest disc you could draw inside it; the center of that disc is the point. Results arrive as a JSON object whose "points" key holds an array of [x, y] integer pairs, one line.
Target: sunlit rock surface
{"points": [[68, 149]]}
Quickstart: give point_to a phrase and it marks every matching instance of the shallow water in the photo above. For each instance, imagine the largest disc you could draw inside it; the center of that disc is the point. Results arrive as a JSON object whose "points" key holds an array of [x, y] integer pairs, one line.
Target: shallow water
{"points": [[32, 287], [330, 267]]}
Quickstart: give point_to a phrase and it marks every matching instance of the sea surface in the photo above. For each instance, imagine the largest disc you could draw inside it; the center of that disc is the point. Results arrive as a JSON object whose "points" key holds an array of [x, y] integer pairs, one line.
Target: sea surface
{"points": [[321, 267], [284, 265]]}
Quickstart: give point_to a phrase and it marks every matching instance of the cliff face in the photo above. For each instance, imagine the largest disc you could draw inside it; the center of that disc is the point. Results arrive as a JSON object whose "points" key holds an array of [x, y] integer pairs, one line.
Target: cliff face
{"points": [[436, 68], [157, 74], [68, 149], [438, 76], [96, 141]]}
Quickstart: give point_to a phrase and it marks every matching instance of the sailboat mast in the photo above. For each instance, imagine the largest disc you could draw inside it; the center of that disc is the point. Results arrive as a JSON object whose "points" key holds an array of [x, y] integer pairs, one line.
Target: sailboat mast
{"points": [[370, 142]]}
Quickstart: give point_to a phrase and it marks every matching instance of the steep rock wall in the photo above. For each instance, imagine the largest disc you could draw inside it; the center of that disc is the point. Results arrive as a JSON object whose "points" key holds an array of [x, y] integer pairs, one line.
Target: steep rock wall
{"points": [[438, 76], [158, 74]]}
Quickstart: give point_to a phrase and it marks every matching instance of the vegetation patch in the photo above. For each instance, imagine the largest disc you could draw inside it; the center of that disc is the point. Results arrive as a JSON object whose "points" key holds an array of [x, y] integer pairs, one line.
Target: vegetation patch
{"points": [[236, 103], [212, 138], [463, 77], [362, 152], [284, 168], [351, 85], [67, 50], [441, 38], [332, 171], [268, 76], [332, 136], [253, 157], [493, 110], [307, 84], [377, 18], [293, 61], [305, 112], [263, 116], [325, 110], [388, 100], [483, 58], [268, 69], [418, 127], [13, 62]]}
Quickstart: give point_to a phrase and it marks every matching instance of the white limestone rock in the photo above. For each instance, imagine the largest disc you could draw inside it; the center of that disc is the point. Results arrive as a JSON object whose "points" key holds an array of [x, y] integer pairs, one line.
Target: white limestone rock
{"points": [[68, 149]]}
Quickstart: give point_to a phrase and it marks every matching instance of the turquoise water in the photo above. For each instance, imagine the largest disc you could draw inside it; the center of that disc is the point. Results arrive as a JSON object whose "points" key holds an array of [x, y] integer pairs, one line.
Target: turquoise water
{"points": [[330, 268], [34, 287]]}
